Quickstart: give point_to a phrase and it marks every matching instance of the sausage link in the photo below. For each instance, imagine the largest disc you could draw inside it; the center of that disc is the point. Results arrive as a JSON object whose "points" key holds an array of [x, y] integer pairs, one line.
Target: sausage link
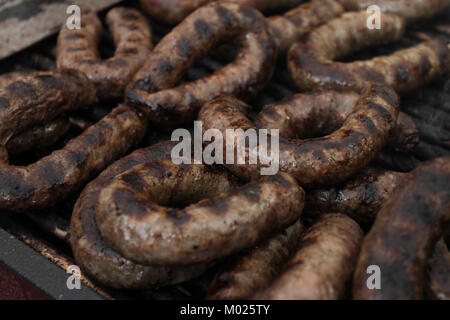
{"points": [[39, 136], [312, 114], [133, 217], [174, 11], [209, 25], [323, 265], [254, 270], [361, 197], [438, 286], [97, 259], [311, 64], [405, 232], [77, 49], [318, 161], [411, 10]]}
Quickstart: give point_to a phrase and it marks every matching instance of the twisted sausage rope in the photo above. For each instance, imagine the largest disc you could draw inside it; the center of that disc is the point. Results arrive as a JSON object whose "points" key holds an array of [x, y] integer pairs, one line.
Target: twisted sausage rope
{"points": [[151, 90], [405, 232], [319, 161], [323, 264], [39, 98], [319, 113], [174, 11], [311, 64], [77, 49]]}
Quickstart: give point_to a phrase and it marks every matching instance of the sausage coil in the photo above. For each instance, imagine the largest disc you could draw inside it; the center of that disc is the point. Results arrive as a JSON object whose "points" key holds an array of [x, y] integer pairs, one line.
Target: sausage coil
{"points": [[133, 217], [307, 115], [152, 89], [317, 161], [101, 262], [311, 64], [77, 49]]}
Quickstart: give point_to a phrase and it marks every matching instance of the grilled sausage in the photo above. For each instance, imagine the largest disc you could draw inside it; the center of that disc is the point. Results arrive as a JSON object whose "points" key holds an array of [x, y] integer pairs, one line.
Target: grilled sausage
{"points": [[311, 62], [97, 259], [288, 28], [438, 285], [312, 114], [39, 136], [193, 38], [405, 232], [133, 217], [77, 49], [361, 197], [38, 98], [252, 271], [318, 161], [323, 264], [174, 11], [411, 10]]}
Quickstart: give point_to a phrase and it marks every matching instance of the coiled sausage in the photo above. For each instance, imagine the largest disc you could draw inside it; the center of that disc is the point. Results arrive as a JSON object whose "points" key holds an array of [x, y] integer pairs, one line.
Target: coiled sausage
{"points": [[77, 49], [312, 114], [97, 259], [133, 217], [318, 161], [311, 64], [209, 25]]}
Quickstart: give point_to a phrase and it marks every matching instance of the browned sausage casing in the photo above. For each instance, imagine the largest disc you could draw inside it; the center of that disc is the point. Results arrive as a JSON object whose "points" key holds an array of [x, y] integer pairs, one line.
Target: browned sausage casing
{"points": [[97, 259], [39, 98], [411, 10], [323, 265], [77, 49], [438, 285], [174, 11], [39, 136], [405, 233], [252, 271], [312, 114], [318, 161], [207, 27], [311, 62], [134, 218], [288, 28], [361, 197]]}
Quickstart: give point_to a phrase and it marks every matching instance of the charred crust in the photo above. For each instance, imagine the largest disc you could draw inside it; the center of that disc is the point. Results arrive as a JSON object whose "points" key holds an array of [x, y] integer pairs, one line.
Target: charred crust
{"points": [[22, 89], [185, 47], [203, 29], [226, 16], [178, 217]]}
